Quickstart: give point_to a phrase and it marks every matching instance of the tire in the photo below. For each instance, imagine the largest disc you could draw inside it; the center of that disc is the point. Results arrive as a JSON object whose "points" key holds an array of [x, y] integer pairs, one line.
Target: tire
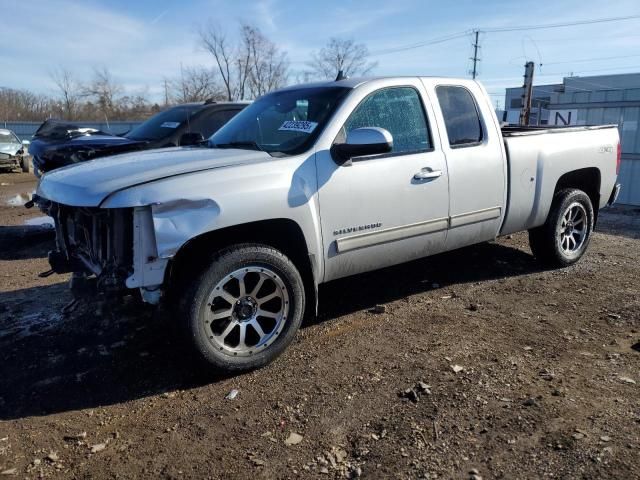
{"points": [[25, 165], [229, 320], [561, 242]]}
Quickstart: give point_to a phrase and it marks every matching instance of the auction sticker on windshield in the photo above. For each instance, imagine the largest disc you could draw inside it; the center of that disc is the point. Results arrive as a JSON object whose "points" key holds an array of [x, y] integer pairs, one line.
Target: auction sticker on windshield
{"points": [[170, 124], [298, 126]]}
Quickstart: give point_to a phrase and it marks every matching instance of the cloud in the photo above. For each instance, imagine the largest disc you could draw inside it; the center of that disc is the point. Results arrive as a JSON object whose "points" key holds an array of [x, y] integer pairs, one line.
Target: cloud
{"points": [[266, 14], [81, 36]]}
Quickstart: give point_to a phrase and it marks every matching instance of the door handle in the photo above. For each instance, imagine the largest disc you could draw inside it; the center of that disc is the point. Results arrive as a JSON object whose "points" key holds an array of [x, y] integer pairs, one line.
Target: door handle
{"points": [[427, 173]]}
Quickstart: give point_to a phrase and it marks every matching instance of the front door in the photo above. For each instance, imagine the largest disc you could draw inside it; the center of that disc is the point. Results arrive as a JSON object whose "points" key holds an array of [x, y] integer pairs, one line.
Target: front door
{"points": [[384, 209]]}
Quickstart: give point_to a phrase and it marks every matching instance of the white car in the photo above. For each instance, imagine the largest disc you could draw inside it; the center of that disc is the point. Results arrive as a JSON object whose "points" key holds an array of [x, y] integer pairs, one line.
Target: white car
{"points": [[12, 151]]}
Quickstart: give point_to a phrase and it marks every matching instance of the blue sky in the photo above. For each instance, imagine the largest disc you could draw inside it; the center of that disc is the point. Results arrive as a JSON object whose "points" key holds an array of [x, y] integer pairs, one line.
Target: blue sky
{"points": [[144, 41]]}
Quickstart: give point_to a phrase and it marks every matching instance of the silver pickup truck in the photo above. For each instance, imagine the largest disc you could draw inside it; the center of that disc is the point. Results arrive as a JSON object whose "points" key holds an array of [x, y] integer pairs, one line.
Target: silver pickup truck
{"points": [[317, 182]]}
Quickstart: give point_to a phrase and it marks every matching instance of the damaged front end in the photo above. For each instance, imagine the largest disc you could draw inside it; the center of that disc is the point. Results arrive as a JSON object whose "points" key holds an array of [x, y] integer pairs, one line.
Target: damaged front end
{"points": [[95, 244], [109, 251]]}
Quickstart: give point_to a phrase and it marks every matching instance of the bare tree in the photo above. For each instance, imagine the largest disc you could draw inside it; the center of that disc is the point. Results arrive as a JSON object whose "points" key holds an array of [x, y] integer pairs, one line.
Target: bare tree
{"points": [[249, 67], [24, 105], [341, 55], [268, 66], [195, 84], [104, 91], [214, 40], [70, 91]]}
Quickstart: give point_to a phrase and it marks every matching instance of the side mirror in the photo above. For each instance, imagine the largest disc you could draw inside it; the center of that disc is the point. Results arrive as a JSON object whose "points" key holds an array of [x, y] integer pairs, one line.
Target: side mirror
{"points": [[191, 138], [363, 142]]}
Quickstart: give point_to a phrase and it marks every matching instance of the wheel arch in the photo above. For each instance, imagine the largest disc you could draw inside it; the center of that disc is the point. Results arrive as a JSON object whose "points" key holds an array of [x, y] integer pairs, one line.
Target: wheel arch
{"points": [[586, 179], [281, 233]]}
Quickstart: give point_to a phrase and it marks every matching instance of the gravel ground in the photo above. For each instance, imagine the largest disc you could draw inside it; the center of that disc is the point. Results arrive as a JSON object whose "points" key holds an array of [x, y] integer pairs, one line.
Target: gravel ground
{"points": [[478, 364]]}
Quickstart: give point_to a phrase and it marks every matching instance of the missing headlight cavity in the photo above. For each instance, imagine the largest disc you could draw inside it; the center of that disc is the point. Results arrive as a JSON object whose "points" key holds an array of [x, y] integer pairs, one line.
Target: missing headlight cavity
{"points": [[96, 242]]}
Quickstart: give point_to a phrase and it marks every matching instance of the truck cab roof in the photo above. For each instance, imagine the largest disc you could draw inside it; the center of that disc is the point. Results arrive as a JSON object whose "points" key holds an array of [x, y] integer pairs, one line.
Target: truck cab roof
{"points": [[355, 82]]}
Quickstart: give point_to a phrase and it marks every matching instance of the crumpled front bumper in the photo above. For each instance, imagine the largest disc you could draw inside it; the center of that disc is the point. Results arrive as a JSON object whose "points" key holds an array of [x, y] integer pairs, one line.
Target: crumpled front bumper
{"points": [[7, 160], [115, 247]]}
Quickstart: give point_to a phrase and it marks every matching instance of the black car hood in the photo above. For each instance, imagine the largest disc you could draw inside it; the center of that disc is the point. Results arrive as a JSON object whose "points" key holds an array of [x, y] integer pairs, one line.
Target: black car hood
{"points": [[57, 144]]}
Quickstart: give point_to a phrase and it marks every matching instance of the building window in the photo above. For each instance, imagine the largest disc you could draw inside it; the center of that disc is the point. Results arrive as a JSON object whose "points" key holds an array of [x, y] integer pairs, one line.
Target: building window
{"points": [[632, 94], [614, 95]]}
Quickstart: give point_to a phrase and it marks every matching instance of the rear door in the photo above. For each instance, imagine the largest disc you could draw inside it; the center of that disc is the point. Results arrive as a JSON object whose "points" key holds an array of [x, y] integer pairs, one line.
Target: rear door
{"points": [[375, 212], [476, 163]]}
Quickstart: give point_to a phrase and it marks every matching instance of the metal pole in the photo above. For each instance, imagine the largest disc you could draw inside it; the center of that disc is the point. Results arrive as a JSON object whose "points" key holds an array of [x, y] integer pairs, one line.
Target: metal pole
{"points": [[527, 93], [475, 56]]}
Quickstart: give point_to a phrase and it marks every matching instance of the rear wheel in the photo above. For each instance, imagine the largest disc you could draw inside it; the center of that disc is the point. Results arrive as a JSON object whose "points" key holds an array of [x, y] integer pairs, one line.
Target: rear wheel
{"points": [[564, 238], [245, 309]]}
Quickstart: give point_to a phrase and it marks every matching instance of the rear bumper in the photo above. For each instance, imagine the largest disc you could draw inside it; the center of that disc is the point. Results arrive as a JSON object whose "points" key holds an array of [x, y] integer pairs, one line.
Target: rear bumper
{"points": [[614, 194]]}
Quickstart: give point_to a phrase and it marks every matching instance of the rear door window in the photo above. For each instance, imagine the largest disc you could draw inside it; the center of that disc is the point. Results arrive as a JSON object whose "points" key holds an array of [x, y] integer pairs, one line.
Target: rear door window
{"points": [[398, 110], [164, 124], [461, 116], [209, 123]]}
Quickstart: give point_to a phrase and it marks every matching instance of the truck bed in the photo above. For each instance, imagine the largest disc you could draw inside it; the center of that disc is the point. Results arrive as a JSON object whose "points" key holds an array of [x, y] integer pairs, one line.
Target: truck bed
{"points": [[537, 159]]}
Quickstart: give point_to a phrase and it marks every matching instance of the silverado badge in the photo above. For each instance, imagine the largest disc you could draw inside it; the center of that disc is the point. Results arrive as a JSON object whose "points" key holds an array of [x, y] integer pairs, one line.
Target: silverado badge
{"points": [[359, 228]]}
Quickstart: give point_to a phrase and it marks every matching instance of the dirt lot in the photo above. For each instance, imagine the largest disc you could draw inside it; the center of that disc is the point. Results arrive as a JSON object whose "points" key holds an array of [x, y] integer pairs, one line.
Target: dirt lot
{"points": [[530, 374]]}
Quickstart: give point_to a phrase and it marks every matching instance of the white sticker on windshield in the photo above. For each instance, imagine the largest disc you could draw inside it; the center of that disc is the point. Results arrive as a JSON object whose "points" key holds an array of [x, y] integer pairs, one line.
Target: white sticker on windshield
{"points": [[298, 126], [170, 124]]}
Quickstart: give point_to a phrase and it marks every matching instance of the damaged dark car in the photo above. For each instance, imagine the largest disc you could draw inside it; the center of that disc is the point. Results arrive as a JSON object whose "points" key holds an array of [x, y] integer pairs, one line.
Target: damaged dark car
{"points": [[57, 144]]}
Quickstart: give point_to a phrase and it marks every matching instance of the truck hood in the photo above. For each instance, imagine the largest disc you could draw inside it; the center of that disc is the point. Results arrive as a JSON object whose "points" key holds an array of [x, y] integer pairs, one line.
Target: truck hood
{"points": [[87, 184]]}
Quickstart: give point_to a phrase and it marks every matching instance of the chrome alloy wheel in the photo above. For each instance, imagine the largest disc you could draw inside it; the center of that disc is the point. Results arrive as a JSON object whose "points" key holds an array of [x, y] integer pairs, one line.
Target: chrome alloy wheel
{"points": [[246, 311], [572, 230]]}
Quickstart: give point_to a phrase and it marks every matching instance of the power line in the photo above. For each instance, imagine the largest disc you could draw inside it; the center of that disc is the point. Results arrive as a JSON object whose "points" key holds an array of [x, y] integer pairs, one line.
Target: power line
{"points": [[420, 44], [591, 59], [559, 25], [477, 31], [411, 46], [576, 72]]}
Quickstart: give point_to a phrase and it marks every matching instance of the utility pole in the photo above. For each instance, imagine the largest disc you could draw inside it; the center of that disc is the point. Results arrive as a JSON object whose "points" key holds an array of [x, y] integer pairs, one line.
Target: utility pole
{"points": [[166, 92], [475, 59], [527, 88]]}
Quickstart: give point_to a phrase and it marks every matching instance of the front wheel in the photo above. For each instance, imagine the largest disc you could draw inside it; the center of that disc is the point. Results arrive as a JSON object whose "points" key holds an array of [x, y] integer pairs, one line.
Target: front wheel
{"points": [[25, 166], [564, 238], [245, 309]]}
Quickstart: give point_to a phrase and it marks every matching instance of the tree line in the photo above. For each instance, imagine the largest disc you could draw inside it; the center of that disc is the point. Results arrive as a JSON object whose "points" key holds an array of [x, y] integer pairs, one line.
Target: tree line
{"points": [[244, 66]]}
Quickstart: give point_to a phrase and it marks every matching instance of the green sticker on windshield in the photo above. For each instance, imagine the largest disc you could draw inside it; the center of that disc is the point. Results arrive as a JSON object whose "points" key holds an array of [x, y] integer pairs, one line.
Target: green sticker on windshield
{"points": [[298, 126]]}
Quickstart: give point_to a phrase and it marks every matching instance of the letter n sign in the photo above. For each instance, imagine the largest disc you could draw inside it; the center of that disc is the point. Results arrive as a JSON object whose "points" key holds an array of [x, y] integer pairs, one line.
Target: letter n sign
{"points": [[563, 117]]}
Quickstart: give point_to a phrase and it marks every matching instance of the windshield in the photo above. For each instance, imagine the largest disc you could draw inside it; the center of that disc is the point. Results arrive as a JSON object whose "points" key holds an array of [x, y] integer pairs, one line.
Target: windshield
{"points": [[286, 122], [8, 137], [163, 124]]}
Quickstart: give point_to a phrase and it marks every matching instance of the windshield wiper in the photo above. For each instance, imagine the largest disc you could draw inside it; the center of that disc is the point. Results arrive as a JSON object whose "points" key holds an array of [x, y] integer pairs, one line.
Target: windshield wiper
{"points": [[250, 144]]}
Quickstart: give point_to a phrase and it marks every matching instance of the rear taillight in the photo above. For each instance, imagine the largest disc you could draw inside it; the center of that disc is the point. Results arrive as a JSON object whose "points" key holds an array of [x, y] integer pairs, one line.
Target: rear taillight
{"points": [[618, 158]]}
